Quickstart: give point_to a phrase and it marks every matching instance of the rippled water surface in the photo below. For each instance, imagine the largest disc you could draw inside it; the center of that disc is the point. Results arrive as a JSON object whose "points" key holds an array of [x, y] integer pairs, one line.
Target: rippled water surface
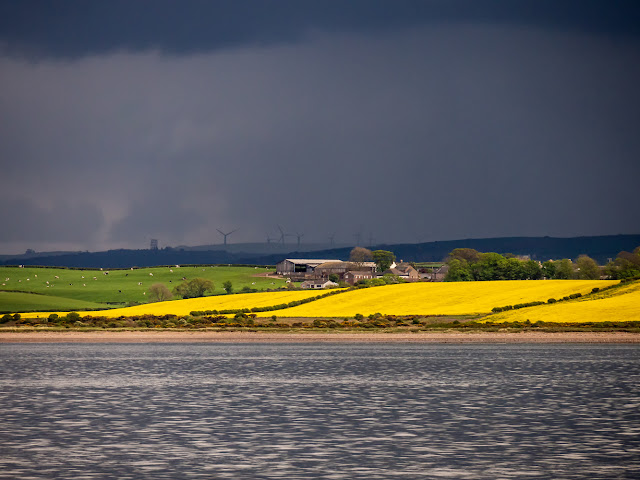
{"points": [[327, 411]]}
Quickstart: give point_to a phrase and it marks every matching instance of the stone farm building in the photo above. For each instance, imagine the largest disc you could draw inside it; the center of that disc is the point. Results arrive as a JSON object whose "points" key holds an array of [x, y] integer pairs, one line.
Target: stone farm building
{"points": [[354, 276], [404, 271], [342, 268], [316, 269]]}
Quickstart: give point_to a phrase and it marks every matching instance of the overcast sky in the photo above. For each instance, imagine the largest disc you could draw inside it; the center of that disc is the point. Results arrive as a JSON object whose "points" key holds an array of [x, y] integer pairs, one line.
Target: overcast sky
{"points": [[412, 121]]}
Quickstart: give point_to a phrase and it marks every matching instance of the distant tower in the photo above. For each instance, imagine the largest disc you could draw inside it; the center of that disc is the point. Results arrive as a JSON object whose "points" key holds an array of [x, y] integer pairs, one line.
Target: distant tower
{"points": [[154, 244]]}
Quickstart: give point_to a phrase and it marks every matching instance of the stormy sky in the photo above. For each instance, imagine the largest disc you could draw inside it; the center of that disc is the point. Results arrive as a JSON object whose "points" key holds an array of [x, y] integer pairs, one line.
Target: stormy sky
{"points": [[409, 121]]}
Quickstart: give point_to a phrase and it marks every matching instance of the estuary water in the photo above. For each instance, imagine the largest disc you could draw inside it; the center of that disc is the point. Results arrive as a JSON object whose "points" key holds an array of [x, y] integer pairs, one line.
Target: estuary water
{"points": [[319, 411]]}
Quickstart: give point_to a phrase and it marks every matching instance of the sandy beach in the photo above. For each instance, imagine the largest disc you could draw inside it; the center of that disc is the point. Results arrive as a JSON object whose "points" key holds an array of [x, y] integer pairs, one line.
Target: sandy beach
{"points": [[316, 337]]}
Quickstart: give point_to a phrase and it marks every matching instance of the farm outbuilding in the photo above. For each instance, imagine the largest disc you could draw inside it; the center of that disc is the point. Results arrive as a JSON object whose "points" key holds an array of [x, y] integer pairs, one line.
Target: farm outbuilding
{"points": [[293, 266]]}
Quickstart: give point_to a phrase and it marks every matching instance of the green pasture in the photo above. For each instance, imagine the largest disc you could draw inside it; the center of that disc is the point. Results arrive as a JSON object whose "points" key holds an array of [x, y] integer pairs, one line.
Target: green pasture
{"points": [[119, 287], [24, 302]]}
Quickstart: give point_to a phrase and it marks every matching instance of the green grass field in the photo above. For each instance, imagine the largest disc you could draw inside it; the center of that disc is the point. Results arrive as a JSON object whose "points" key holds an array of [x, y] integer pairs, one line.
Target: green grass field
{"points": [[118, 287], [16, 302]]}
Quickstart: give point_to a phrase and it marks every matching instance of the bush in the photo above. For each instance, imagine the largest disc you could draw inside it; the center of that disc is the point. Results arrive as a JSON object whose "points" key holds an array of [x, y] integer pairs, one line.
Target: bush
{"points": [[6, 318], [158, 292], [358, 316], [552, 300], [194, 288]]}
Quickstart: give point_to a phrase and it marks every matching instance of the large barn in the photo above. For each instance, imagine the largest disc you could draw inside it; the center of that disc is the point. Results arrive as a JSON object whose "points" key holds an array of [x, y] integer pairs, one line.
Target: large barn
{"points": [[299, 266]]}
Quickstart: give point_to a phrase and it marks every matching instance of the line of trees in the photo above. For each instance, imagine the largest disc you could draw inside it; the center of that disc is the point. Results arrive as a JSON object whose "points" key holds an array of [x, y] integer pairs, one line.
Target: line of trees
{"points": [[467, 264], [382, 258], [626, 265]]}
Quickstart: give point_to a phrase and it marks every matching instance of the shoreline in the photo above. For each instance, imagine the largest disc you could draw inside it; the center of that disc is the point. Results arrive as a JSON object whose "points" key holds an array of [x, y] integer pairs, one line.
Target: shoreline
{"points": [[317, 337]]}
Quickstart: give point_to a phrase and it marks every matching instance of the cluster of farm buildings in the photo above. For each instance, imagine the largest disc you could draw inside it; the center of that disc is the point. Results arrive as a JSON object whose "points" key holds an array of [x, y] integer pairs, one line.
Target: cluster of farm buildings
{"points": [[318, 273]]}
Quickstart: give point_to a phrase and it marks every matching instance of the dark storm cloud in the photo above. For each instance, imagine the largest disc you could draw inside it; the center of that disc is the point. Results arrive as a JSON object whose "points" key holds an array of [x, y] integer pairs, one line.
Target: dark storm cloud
{"points": [[59, 221], [76, 27], [159, 215], [413, 129]]}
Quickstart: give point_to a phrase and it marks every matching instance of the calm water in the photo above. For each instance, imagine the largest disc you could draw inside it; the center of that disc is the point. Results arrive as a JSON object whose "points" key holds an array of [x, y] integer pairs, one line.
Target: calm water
{"points": [[334, 411]]}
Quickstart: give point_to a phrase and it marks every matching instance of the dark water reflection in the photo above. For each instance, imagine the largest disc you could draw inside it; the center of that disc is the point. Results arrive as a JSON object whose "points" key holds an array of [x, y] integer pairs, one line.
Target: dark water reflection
{"points": [[288, 411]]}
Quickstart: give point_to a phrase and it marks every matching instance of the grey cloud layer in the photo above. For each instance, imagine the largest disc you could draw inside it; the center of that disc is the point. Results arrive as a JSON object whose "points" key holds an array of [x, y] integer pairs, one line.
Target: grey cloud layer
{"points": [[77, 28], [417, 135]]}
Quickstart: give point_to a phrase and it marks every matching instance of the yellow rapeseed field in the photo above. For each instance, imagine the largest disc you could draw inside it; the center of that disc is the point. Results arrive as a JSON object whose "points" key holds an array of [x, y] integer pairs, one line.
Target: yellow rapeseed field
{"points": [[618, 305], [183, 307], [455, 298]]}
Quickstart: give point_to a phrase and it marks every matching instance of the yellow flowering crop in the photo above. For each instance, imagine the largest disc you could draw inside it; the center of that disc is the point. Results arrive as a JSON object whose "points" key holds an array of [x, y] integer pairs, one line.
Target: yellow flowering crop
{"points": [[448, 298], [217, 302], [618, 305]]}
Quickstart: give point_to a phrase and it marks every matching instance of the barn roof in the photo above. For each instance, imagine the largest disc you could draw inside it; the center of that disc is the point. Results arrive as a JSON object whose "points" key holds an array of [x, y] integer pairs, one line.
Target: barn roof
{"points": [[307, 261]]}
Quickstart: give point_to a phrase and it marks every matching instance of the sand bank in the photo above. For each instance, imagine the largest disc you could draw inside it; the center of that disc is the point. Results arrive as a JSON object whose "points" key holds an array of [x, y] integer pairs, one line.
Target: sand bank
{"points": [[316, 337]]}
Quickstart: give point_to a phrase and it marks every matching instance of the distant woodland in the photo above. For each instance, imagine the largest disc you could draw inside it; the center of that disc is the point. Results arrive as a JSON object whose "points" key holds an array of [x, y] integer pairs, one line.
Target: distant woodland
{"points": [[600, 248]]}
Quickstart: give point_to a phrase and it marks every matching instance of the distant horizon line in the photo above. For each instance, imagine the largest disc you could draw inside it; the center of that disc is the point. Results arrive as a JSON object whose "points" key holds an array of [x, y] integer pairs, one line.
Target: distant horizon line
{"points": [[327, 245]]}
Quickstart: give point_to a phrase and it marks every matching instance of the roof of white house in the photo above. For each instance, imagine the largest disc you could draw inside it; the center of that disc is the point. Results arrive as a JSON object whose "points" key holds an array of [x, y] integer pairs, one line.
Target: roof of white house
{"points": [[319, 282]]}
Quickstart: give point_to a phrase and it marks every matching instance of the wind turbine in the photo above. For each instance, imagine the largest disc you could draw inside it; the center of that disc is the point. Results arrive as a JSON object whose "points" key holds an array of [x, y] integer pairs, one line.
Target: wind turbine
{"points": [[358, 237], [331, 239], [282, 235], [299, 235], [225, 235]]}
